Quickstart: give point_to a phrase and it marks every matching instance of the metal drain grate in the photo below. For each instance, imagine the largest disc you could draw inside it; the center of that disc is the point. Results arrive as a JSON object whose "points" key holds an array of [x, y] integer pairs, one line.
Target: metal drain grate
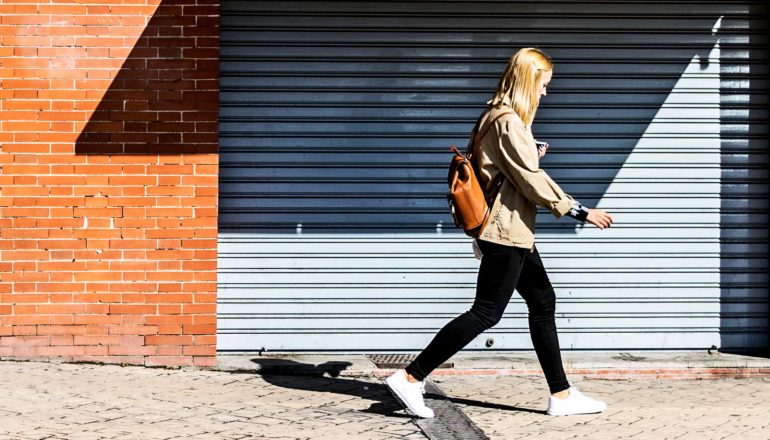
{"points": [[398, 360], [450, 423]]}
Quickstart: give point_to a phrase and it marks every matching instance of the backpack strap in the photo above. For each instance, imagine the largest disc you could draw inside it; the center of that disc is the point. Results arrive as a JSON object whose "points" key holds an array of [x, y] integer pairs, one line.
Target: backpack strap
{"points": [[476, 138]]}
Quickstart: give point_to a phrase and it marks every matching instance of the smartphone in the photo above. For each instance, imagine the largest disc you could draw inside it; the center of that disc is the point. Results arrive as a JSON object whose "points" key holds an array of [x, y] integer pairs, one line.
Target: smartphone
{"points": [[540, 144]]}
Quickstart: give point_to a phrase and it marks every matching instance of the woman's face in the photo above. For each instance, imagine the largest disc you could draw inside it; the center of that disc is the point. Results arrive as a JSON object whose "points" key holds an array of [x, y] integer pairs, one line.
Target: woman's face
{"points": [[545, 78]]}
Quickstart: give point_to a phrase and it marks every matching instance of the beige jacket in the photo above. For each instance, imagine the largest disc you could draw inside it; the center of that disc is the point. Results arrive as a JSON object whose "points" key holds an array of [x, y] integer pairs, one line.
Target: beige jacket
{"points": [[509, 148]]}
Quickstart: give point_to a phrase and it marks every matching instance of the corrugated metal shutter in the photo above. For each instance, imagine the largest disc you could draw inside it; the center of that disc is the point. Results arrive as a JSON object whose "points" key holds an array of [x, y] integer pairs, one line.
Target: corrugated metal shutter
{"points": [[336, 119]]}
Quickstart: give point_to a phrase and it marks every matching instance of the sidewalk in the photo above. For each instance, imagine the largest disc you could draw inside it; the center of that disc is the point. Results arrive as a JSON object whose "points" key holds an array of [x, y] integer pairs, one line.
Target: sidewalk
{"points": [[604, 365], [349, 402]]}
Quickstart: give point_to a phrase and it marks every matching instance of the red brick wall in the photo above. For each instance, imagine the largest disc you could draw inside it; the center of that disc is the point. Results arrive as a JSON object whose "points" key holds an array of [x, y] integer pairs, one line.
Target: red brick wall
{"points": [[108, 181]]}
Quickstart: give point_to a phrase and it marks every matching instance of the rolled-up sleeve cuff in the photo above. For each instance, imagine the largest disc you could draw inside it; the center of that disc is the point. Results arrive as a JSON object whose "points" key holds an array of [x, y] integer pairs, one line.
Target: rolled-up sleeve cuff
{"points": [[578, 212], [561, 207]]}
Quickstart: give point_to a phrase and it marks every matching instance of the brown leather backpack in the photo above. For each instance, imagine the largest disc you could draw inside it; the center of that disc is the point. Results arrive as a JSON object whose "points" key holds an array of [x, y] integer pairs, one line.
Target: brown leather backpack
{"points": [[469, 207]]}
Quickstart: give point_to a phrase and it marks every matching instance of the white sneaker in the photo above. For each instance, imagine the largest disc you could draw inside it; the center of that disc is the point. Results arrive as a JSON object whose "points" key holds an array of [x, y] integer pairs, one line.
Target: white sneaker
{"points": [[409, 393], [575, 403]]}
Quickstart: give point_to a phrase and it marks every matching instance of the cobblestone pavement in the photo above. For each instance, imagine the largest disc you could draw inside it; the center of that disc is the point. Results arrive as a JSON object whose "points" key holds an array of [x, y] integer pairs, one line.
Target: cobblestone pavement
{"points": [[510, 407], [67, 401]]}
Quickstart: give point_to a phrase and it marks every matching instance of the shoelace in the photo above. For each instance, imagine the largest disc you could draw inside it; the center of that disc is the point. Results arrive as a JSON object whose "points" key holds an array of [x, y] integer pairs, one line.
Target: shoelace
{"points": [[422, 387]]}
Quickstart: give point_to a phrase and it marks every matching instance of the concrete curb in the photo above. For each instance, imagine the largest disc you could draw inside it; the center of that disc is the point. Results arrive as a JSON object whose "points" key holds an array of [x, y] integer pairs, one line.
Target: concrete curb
{"points": [[607, 365]]}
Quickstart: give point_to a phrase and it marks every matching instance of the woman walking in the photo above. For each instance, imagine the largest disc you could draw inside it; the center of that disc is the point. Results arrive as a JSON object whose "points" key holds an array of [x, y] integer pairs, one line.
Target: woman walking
{"points": [[510, 259]]}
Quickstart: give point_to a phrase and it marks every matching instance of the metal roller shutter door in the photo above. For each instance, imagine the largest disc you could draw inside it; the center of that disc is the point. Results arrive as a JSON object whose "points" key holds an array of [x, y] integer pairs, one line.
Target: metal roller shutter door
{"points": [[336, 119]]}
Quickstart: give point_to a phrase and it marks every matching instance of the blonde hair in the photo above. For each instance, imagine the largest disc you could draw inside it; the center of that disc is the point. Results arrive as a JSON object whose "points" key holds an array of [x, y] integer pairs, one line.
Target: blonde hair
{"points": [[518, 84]]}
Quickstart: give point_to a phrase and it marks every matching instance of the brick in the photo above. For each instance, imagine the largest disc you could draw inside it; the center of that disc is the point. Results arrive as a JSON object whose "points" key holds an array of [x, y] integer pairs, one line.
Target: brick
{"points": [[199, 329], [133, 330], [98, 297], [9, 341], [205, 361], [133, 319], [169, 266], [131, 244], [169, 361], [60, 351], [21, 298], [27, 19], [61, 340], [169, 350], [169, 212], [97, 276], [204, 319], [132, 340], [134, 298], [170, 287], [169, 202], [25, 352], [122, 266], [194, 350], [199, 309], [132, 309], [170, 319], [169, 329], [92, 351], [97, 266], [205, 339], [200, 265], [97, 212], [205, 276], [198, 244], [133, 287], [169, 298], [175, 340], [170, 276], [93, 321], [61, 330], [121, 350], [178, 191], [169, 309], [132, 180], [60, 308], [168, 223], [56, 9]]}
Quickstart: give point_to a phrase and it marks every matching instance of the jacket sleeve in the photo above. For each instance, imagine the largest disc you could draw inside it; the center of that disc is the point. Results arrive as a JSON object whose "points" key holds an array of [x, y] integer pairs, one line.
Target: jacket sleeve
{"points": [[517, 159]]}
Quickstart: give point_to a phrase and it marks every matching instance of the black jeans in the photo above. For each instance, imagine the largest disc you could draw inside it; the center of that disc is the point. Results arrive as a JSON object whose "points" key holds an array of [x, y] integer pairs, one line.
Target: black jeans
{"points": [[503, 268]]}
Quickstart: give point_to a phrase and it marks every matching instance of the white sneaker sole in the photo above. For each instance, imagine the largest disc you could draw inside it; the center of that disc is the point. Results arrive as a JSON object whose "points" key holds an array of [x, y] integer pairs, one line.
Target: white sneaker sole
{"points": [[575, 413]]}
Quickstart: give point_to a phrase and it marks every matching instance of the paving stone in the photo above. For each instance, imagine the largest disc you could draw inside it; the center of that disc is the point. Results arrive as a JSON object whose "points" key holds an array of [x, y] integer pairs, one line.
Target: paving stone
{"points": [[75, 401], [639, 409]]}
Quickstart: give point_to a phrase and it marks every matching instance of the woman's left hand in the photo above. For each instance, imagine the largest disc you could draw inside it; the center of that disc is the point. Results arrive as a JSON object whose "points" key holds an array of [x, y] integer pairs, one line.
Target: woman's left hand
{"points": [[542, 150], [599, 218]]}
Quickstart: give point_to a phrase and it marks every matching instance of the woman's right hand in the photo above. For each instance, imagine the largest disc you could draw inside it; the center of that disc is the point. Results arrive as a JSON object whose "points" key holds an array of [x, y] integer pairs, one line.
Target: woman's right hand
{"points": [[599, 218]]}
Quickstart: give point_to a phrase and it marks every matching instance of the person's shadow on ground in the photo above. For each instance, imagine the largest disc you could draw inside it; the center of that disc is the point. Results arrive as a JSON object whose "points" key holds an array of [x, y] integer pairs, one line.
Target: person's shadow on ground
{"points": [[325, 378]]}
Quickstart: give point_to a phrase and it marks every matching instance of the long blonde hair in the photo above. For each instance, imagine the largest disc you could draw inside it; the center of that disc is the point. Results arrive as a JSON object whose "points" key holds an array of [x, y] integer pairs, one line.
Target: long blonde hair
{"points": [[518, 84]]}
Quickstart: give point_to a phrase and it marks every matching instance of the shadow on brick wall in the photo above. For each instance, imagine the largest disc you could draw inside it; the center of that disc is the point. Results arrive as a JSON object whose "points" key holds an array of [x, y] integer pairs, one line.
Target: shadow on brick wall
{"points": [[165, 99]]}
